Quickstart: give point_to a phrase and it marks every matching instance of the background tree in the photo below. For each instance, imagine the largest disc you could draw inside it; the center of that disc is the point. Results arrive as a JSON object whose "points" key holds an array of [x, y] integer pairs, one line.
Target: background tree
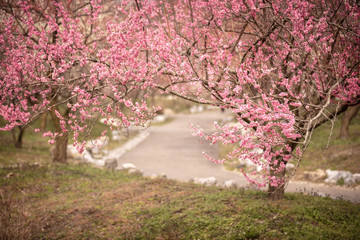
{"points": [[55, 58]]}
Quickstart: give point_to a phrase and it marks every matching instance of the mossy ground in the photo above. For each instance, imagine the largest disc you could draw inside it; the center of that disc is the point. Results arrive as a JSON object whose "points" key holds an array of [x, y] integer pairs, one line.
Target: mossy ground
{"points": [[82, 202]]}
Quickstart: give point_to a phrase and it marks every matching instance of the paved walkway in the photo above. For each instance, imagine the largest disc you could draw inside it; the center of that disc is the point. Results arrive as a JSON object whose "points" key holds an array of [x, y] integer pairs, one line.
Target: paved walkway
{"points": [[172, 150]]}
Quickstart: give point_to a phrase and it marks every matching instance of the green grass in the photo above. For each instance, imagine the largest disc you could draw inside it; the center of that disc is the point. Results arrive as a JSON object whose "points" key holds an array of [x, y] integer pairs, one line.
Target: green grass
{"points": [[82, 202], [337, 153], [35, 148]]}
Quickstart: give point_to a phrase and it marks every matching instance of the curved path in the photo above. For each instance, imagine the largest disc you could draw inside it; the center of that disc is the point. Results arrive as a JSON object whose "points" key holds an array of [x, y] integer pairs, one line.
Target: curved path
{"points": [[172, 150]]}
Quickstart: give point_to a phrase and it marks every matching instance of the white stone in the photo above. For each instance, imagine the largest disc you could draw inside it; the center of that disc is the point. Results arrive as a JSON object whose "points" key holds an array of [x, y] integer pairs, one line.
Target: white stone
{"points": [[349, 180], [230, 183], [319, 194], [155, 175], [128, 166], [356, 177], [135, 171], [333, 176], [205, 181]]}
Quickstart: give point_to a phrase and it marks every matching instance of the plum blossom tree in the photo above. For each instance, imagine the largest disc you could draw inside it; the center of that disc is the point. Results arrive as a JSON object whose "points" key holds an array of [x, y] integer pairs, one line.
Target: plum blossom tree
{"points": [[55, 58], [283, 67]]}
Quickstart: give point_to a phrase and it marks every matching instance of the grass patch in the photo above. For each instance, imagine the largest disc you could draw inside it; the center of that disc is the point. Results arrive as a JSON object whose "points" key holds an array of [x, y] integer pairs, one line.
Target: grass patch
{"points": [[82, 202], [35, 149], [340, 155]]}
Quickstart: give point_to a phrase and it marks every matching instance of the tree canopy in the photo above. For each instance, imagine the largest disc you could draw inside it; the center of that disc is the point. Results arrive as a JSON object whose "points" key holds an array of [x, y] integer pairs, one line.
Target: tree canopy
{"points": [[283, 67]]}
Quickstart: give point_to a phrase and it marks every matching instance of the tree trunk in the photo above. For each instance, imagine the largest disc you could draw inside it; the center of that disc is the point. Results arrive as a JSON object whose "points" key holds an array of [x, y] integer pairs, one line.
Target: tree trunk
{"points": [[18, 140], [276, 193], [348, 116], [59, 151]]}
